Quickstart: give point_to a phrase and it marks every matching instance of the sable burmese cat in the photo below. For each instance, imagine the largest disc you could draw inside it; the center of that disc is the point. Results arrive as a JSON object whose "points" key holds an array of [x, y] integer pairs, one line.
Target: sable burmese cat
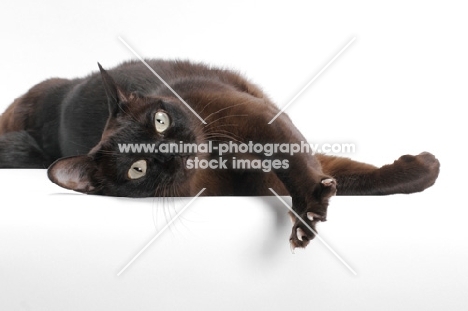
{"points": [[73, 127]]}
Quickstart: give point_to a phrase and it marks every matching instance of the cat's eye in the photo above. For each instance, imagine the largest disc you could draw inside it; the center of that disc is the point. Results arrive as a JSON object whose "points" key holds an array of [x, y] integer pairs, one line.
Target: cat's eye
{"points": [[137, 170], [161, 121]]}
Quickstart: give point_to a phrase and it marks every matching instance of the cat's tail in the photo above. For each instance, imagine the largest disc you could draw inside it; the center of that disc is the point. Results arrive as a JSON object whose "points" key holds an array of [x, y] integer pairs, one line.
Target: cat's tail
{"points": [[408, 174], [20, 150]]}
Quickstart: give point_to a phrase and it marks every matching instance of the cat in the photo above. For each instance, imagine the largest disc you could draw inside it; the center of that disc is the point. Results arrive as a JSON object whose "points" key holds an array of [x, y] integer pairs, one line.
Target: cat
{"points": [[74, 128]]}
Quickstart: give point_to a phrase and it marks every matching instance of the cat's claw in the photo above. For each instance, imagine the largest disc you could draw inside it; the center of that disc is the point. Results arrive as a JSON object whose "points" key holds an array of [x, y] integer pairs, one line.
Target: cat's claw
{"points": [[328, 182], [300, 238], [311, 216], [300, 234], [328, 187], [291, 246], [304, 222], [292, 218], [304, 230]]}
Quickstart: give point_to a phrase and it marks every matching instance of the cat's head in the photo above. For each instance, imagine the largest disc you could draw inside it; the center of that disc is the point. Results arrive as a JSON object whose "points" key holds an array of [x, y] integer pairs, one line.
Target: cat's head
{"points": [[109, 169]]}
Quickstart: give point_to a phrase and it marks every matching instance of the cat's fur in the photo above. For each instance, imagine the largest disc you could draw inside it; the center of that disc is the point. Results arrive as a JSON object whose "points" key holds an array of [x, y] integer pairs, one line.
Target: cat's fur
{"points": [[73, 127]]}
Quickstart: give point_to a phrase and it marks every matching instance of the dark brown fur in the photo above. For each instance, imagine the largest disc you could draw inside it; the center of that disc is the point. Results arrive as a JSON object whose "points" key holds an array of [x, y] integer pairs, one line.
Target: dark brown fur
{"points": [[78, 124]]}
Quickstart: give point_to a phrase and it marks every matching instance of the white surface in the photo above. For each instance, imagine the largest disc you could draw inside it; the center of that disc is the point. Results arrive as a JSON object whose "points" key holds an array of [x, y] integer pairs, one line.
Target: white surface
{"points": [[399, 88], [62, 251]]}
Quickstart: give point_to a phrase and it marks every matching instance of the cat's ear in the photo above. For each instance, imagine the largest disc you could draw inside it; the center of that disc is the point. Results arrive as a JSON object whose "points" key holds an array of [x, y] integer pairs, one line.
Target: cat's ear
{"points": [[73, 173], [115, 96]]}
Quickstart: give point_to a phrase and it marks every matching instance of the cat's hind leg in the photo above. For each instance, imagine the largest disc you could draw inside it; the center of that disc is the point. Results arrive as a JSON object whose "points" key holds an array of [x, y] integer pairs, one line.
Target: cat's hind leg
{"points": [[408, 174], [20, 150]]}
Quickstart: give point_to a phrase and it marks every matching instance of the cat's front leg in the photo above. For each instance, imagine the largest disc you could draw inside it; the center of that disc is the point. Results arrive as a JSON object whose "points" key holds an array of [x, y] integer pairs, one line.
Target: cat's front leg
{"points": [[305, 220], [247, 119]]}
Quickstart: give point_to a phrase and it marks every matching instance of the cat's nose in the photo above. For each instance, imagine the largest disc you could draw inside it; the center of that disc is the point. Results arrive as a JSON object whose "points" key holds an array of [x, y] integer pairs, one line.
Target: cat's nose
{"points": [[166, 151], [164, 157]]}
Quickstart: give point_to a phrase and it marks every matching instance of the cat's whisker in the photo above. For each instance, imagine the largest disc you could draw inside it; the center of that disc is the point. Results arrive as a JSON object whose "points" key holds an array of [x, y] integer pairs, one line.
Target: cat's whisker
{"points": [[157, 186], [154, 209], [221, 136], [129, 114], [162, 187], [176, 194], [219, 130], [209, 103], [224, 139], [215, 134], [227, 125], [109, 152], [225, 117], [171, 209], [77, 144], [225, 108]]}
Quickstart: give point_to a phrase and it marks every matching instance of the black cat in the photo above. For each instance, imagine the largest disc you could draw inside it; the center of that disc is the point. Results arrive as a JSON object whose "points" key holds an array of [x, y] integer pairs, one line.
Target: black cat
{"points": [[75, 128]]}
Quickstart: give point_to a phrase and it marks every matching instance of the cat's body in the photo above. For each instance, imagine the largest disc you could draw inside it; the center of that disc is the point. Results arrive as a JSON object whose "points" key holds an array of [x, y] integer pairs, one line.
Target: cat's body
{"points": [[85, 119]]}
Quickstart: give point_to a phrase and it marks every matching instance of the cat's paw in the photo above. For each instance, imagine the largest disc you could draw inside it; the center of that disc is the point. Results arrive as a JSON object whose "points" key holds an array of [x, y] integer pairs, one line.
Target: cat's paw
{"points": [[328, 187], [421, 170], [303, 230], [430, 164]]}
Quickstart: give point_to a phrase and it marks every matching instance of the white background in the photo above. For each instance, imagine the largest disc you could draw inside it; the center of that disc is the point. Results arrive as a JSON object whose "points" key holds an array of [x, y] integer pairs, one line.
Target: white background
{"points": [[398, 89]]}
